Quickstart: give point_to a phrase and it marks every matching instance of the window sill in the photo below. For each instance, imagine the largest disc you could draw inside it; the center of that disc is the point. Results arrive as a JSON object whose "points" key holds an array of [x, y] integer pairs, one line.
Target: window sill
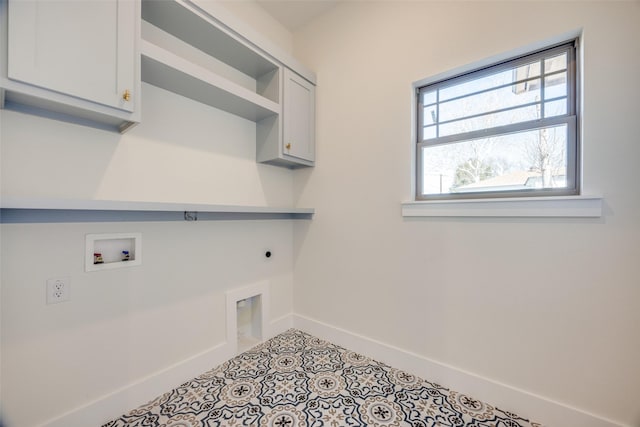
{"points": [[557, 206]]}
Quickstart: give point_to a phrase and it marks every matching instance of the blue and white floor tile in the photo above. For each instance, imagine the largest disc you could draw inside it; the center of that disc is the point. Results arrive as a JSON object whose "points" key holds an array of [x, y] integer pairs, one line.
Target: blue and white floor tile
{"points": [[297, 380]]}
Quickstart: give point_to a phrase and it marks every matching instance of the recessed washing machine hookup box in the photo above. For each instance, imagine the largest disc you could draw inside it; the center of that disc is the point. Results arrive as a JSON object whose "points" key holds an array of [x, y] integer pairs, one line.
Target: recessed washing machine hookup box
{"points": [[113, 250]]}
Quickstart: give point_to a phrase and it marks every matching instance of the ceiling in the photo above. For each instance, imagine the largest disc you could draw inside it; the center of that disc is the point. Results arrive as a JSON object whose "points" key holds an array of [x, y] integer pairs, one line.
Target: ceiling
{"points": [[293, 14]]}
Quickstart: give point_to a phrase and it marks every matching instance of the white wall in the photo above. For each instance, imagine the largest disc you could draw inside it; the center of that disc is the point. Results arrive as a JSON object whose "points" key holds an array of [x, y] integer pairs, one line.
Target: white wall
{"points": [[127, 326], [549, 306], [182, 152], [466, 292], [122, 326]]}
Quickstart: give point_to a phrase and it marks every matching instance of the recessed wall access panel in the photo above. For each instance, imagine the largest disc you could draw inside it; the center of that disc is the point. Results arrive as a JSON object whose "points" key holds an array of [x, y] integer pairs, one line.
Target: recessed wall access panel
{"points": [[113, 250], [247, 314], [249, 322]]}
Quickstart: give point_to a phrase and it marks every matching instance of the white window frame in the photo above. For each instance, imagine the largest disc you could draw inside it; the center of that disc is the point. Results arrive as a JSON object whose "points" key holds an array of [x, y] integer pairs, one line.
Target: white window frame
{"points": [[570, 119], [581, 205]]}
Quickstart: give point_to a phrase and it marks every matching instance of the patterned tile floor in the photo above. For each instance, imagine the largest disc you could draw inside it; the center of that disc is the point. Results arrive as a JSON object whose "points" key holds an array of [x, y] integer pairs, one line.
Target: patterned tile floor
{"points": [[297, 380]]}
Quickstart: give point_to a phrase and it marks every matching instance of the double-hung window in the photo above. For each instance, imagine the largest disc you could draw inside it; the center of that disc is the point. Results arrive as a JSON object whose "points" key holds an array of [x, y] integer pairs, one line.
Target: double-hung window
{"points": [[509, 129]]}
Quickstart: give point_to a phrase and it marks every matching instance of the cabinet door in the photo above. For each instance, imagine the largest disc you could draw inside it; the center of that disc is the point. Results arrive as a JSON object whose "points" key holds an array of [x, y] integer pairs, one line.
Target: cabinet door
{"points": [[81, 48], [299, 117]]}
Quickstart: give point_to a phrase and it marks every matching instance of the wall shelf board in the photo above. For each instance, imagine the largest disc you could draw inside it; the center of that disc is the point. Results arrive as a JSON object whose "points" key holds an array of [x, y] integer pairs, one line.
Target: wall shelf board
{"points": [[190, 23], [238, 43], [168, 71], [14, 210], [188, 49]]}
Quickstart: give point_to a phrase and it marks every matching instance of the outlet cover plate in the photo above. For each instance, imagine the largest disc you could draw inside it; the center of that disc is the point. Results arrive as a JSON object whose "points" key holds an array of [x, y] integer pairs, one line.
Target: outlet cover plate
{"points": [[58, 290]]}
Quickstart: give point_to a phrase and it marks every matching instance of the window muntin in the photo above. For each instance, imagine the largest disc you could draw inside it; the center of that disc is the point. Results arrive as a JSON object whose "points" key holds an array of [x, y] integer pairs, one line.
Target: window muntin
{"points": [[504, 130]]}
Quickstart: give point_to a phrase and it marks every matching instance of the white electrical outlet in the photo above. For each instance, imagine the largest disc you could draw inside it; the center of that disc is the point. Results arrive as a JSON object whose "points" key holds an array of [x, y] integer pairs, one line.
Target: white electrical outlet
{"points": [[58, 290]]}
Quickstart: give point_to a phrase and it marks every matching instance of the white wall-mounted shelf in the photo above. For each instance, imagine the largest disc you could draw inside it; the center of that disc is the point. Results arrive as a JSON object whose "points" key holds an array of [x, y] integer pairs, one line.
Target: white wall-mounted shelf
{"points": [[169, 71], [190, 35], [186, 21], [23, 210], [190, 51]]}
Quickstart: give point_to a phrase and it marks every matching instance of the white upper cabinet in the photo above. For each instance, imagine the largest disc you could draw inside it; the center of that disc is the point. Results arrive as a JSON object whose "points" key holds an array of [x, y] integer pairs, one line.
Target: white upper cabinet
{"points": [[79, 58], [289, 139], [298, 117], [72, 47]]}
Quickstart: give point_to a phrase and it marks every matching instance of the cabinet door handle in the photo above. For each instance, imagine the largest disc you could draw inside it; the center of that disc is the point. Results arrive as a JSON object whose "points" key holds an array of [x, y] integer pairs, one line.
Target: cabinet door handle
{"points": [[288, 146], [126, 95]]}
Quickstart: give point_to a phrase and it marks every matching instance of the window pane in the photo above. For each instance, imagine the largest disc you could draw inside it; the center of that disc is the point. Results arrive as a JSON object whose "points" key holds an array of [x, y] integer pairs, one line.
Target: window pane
{"points": [[555, 85], [527, 71], [555, 63], [502, 118], [505, 97], [522, 161], [429, 132], [429, 116], [429, 97], [555, 108], [500, 78]]}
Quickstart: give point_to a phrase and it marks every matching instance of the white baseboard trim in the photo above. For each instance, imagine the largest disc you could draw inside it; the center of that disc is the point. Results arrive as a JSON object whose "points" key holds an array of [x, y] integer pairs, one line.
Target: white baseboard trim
{"points": [[280, 325], [553, 414], [539, 408], [121, 401], [133, 395]]}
